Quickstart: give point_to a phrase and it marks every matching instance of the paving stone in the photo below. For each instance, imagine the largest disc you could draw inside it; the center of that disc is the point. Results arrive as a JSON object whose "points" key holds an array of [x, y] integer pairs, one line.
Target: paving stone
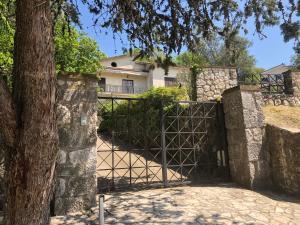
{"points": [[194, 205]]}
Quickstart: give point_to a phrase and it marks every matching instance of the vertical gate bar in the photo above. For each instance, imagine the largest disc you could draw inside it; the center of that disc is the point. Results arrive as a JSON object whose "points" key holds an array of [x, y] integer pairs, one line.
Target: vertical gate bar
{"points": [[179, 144], [128, 131], [145, 138], [193, 134], [163, 146], [207, 169], [112, 144]]}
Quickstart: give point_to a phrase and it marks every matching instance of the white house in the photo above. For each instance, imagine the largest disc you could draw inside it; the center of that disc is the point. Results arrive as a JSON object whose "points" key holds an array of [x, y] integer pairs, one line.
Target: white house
{"points": [[123, 76]]}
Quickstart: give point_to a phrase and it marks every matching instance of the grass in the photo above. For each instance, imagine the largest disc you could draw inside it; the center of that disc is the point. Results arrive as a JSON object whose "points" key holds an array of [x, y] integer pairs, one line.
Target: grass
{"points": [[283, 116]]}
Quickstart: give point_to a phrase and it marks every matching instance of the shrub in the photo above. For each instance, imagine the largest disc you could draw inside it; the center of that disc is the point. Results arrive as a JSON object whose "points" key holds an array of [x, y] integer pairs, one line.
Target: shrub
{"points": [[139, 121]]}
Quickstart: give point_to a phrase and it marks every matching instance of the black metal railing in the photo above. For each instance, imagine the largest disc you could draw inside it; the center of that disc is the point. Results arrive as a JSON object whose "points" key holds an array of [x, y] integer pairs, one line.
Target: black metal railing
{"points": [[269, 83]]}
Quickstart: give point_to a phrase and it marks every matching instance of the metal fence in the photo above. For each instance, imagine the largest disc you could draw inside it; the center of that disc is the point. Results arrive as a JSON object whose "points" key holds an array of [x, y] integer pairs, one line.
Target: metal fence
{"points": [[269, 83], [146, 144]]}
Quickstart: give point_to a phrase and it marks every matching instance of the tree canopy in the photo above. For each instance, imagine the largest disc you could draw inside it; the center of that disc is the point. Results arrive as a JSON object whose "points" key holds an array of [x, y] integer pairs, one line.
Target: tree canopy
{"points": [[214, 52], [296, 61], [173, 24], [75, 51]]}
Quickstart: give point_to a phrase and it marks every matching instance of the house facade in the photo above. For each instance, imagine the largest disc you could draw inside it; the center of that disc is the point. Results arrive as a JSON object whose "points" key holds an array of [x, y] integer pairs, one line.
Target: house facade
{"points": [[124, 76]]}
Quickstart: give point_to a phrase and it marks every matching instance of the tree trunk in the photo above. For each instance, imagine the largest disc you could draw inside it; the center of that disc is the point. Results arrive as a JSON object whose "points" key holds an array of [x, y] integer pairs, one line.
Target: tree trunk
{"points": [[32, 159]]}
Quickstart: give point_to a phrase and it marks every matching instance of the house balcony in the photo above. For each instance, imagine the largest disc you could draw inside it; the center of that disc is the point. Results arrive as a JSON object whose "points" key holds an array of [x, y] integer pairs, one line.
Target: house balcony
{"points": [[118, 89]]}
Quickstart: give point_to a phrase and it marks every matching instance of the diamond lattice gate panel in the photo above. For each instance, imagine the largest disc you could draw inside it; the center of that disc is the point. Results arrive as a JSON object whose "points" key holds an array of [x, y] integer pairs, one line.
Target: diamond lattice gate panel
{"points": [[143, 143]]}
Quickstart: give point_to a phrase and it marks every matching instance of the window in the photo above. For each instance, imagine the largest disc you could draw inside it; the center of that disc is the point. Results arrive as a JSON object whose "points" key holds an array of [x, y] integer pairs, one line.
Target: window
{"points": [[170, 81], [127, 86], [102, 84], [114, 64]]}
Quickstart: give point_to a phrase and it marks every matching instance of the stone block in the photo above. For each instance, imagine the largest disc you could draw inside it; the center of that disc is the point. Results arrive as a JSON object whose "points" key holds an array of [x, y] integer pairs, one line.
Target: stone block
{"points": [[64, 206], [74, 186], [60, 187], [61, 157]]}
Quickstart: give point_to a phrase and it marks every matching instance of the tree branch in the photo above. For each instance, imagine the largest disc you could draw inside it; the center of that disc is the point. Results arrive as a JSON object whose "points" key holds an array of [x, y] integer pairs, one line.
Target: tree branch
{"points": [[7, 115]]}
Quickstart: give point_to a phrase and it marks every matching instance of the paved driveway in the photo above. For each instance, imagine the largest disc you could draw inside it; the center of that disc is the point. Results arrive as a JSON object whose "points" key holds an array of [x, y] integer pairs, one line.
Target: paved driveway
{"points": [[222, 204]]}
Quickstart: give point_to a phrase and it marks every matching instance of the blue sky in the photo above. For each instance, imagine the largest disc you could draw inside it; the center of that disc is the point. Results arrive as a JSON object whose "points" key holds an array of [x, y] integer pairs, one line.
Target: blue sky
{"points": [[268, 52]]}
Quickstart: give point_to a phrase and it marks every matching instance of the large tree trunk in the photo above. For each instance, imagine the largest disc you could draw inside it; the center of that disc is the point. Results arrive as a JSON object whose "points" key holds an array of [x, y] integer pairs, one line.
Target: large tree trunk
{"points": [[32, 157]]}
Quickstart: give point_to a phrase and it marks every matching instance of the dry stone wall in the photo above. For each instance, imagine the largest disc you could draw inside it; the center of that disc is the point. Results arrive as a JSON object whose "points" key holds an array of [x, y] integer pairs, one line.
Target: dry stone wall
{"points": [[284, 150], [212, 82], [76, 162], [281, 99]]}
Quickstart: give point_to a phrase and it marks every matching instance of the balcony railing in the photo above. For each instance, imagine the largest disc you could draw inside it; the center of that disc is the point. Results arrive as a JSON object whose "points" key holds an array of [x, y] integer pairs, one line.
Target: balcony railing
{"points": [[122, 89]]}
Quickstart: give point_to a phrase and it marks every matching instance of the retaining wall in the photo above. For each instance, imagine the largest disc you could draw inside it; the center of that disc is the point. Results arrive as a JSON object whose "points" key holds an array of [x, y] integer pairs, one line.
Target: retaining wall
{"points": [[283, 147]]}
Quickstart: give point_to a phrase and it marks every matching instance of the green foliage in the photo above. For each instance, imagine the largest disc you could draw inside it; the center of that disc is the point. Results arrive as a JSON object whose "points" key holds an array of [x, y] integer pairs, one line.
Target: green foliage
{"points": [[175, 24], [166, 94], [296, 62], [75, 51], [195, 62], [215, 52], [190, 59], [7, 31], [150, 108]]}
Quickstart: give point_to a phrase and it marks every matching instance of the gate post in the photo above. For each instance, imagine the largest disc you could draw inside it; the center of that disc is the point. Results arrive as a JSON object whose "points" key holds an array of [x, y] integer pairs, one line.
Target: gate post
{"points": [[163, 146], [245, 125], [77, 157]]}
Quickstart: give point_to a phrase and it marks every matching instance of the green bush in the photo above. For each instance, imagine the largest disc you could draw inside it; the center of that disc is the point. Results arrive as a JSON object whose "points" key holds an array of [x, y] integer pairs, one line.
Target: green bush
{"points": [[139, 121]]}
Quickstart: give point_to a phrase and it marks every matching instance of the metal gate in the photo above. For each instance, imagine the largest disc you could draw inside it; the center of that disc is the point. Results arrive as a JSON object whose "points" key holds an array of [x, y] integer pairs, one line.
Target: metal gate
{"points": [[144, 143]]}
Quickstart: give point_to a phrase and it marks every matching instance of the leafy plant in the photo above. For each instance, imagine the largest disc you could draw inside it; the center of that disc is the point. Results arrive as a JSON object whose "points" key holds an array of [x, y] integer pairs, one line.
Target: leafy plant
{"points": [[75, 51], [145, 113]]}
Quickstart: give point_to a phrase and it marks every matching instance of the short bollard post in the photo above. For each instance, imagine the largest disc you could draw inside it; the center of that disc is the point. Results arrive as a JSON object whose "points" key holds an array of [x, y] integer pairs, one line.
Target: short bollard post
{"points": [[101, 209]]}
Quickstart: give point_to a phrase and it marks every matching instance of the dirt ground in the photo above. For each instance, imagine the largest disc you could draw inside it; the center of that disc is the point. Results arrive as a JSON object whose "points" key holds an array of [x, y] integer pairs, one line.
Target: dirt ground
{"points": [[283, 116]]}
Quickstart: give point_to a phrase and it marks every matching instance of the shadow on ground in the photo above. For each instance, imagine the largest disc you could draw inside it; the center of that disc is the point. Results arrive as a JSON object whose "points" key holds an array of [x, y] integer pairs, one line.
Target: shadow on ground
{"points": [[207, 203]]}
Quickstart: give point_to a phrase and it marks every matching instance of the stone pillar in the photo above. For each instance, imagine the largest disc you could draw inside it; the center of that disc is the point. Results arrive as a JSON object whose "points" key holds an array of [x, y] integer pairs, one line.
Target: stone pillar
{"points": [[76, 162], [295, 75], [244, 122]]}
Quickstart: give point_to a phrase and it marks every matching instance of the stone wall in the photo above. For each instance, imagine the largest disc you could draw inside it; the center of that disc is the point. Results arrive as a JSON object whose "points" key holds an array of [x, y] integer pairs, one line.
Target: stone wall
{"points": [[76, 163], [212, 82], [284, 149], [295, 76], [244, 122], [281, 99]]}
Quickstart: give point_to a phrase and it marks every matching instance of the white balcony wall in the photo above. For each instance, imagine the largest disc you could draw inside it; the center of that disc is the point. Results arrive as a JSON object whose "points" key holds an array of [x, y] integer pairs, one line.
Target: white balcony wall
{"points": [[116, 80], [159, 75]]}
